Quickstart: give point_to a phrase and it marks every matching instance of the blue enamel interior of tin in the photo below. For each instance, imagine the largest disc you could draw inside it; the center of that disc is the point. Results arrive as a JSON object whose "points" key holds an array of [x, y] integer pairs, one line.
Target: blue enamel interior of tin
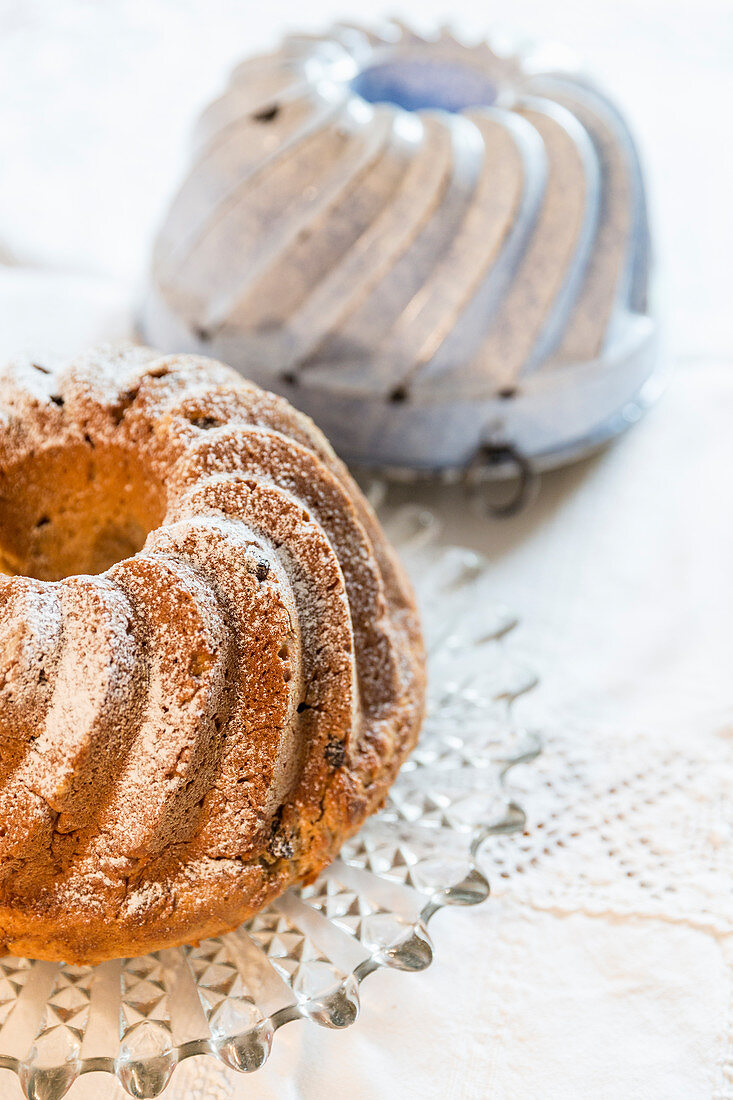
{"points": [[419, 85]]}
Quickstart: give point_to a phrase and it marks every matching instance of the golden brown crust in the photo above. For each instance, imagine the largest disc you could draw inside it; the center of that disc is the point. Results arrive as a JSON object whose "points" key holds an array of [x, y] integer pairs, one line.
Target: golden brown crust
{"points": [[210, 660]]}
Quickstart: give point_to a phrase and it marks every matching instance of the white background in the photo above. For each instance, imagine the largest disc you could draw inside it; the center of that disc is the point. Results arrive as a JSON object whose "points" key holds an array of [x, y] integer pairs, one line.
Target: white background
{"points": [[603, 968]]}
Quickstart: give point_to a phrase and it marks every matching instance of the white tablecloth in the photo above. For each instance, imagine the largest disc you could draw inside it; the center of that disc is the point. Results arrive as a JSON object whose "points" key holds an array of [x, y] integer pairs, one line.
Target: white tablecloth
{"points": [[602, 965]]}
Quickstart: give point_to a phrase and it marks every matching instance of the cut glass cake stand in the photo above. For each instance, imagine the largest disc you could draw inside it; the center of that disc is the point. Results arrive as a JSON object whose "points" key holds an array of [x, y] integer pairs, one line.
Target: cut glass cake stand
{"points": [[304, 957]]}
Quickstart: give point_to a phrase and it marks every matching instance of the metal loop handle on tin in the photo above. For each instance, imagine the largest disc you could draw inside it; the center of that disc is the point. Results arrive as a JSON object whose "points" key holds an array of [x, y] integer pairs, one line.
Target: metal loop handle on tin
{"points": [[490, 455]]}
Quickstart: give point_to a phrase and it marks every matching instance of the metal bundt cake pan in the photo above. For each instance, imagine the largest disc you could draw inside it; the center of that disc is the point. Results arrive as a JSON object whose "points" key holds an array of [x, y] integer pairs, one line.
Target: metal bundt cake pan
{"points": [[435, 249]]}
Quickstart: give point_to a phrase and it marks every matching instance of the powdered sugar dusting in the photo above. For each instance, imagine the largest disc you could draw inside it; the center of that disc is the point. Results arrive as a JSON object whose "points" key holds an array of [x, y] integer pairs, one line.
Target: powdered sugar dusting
{"points": [[173, 718]]}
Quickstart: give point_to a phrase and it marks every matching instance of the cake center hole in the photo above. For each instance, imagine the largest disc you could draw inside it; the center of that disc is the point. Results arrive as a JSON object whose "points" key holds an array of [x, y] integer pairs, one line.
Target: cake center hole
{"points": [[417, 85], [75, 510]]}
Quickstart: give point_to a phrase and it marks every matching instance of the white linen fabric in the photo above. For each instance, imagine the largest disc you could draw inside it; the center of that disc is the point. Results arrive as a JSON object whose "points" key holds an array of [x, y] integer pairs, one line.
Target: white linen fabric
{"points": [[601, 966]]}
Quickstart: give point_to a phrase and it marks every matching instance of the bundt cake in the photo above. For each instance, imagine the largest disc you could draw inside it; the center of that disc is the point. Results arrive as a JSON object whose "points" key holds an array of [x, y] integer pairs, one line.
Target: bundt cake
{"points": [[428, 246], [210, 660]]}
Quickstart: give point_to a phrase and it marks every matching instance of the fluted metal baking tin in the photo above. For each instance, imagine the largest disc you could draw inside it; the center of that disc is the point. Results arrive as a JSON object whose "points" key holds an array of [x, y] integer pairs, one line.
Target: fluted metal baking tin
{"points": [[421, 281]]}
